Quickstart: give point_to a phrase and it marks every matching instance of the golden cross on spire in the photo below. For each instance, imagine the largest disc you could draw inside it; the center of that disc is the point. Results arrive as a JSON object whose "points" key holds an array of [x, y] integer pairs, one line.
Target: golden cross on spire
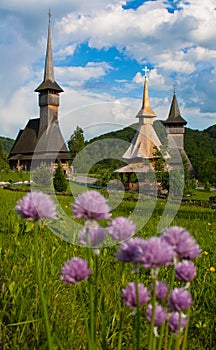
{"points": [[146, 70], [49, 15]]}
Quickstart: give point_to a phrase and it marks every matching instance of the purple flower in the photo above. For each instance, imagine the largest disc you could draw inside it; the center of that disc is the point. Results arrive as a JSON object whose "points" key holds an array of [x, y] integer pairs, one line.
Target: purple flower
{"points": [[185, 271], [179, 300], [157, 253], [121, 228], [129, 295], [91, 205], [131, 250], [182, 242], [159, 317], [161, 290], [174, 319], [92, 236], [75, 270], [36, 205]]}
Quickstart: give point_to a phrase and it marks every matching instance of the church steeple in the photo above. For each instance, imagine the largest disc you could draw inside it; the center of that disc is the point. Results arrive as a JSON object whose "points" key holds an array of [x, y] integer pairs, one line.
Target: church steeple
{"points": [[42, 140], [174, 116], [49, 70], [145, 140], [48, 90], [49, 79], [146, 110], [175, 124]]}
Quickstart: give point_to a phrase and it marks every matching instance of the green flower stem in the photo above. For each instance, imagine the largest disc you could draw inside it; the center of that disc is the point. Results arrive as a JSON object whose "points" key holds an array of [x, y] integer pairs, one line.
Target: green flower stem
{"points": [[178, 337], [170, 341], [151, 334], [172, 280], [90, 347], [120, 328], [137, 312], [91, 305], [91, 294], [40, 288], [166, 327], [134, 333], [103, 322], [96, 295], [186, 331], [161, 336], [121, 311]]}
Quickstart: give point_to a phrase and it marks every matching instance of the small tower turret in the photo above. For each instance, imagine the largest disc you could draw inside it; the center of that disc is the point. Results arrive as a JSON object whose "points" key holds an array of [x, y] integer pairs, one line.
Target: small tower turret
{"points": [[175, 124]]}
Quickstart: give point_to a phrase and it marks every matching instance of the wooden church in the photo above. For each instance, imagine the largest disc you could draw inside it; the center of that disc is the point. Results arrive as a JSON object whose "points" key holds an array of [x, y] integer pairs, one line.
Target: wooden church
{"points": [[41, 141], [141, 154]]}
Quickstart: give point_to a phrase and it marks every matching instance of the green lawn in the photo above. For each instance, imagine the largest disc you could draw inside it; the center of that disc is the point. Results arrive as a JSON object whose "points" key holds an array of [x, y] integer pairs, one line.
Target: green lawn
{"points": [[202, 194], [22, 322]]}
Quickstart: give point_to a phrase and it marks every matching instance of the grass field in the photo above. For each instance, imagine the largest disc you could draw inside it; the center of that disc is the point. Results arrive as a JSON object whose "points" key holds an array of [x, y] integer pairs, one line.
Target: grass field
{"points": [[21, 317]]}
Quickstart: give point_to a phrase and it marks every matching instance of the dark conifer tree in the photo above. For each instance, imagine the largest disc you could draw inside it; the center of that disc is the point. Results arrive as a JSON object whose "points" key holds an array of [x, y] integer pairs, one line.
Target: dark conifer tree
{"points": [[59, 179]]}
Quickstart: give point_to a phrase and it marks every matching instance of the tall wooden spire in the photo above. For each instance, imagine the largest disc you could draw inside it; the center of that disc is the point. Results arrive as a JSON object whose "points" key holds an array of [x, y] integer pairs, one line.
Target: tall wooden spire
{"points": [[145, 110], [48, 90], [145, 140], [49, 70], [49, 79]]}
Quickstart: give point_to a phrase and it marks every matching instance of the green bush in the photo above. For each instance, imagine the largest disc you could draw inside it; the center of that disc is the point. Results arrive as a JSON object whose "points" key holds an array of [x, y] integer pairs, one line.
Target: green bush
{"points": [[59, 179], [42, 176]]}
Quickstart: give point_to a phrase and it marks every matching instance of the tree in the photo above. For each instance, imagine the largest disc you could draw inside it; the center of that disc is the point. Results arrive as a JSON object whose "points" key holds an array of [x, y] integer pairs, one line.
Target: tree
{"points": [[42, 176], [3, 160], [76, 142], [209, 171], [59, 179]]}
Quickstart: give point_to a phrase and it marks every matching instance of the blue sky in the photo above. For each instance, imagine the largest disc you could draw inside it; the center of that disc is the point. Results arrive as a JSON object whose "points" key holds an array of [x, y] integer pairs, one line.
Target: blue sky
{"points": [[100, 48]]}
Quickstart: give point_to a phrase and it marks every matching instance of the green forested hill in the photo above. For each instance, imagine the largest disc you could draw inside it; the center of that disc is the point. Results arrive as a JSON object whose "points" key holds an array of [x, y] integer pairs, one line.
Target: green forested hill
{"points": [[7, 143], [211, 131], [200, 146]]}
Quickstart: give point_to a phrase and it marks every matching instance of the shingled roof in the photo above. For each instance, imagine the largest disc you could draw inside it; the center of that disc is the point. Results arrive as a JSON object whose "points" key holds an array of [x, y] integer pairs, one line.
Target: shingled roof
{"points": [[145, 140], [49, 79], [174, 116], [143, 144], [50, 146], [27, 138], [145, 110]]}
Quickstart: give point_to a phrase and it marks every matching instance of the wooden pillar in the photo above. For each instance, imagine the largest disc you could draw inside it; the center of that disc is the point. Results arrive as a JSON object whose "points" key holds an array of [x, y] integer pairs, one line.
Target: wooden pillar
{"points": [[18, 165]]}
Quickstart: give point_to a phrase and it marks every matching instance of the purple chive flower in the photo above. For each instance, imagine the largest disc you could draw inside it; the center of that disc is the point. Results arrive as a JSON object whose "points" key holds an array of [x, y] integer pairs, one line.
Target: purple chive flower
{"points": [[121, 228], [157, 253], [161, 290], [174, 319], [131, 250], [159, 317], [129, 295], [92, 236], [185, 271], [91, 205], [75, 270], [36, 205], [182, 242], [179, 300]]}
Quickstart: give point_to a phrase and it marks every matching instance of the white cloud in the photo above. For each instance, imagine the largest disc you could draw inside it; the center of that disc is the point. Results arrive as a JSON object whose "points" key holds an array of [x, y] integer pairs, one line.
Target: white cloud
{"points": [[205, 15], [67, 51], [156, 80], [76, 75], [177, 44]]}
